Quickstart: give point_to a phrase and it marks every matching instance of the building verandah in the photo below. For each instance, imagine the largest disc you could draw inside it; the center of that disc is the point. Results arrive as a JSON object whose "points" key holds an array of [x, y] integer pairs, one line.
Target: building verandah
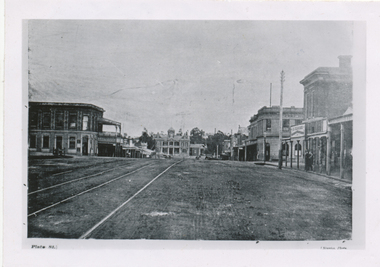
{"points": [[330, 147]]}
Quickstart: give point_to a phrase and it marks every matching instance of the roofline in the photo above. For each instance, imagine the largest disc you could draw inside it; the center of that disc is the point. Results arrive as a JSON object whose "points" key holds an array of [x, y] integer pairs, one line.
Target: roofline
{"points": [[65, 104]]}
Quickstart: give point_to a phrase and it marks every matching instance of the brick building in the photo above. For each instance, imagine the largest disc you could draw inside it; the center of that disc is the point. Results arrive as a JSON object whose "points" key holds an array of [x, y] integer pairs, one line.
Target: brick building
{"points": [[70, 128], [328, 117]]}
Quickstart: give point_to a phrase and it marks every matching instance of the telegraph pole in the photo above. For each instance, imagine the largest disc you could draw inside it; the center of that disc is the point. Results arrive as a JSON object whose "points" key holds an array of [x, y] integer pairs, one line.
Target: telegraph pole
{"points": [[280, 130], [270, 96]]}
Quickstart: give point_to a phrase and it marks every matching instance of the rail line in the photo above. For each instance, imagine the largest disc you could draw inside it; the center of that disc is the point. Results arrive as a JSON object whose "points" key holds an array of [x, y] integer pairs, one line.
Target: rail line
{"points": [[85, 235], [85, 166], [75, 180], [88, 190]]}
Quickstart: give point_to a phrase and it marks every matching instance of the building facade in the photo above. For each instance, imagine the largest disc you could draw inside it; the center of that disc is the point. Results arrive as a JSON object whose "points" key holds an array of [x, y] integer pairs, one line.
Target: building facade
{"points": [[264, 129], [197, 149], [238, 141], [66, 128], [328, 117], [173, 144]]}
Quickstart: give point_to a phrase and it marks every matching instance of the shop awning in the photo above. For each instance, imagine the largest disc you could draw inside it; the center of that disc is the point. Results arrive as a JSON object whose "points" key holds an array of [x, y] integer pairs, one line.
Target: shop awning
{"points": [[108, 122]]}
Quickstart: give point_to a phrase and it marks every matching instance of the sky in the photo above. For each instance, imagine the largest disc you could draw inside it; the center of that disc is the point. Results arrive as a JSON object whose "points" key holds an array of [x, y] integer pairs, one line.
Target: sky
{"points": [[181, 74]]}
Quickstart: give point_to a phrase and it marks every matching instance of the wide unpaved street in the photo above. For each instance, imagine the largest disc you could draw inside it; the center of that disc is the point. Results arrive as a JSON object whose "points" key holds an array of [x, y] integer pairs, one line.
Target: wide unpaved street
{"points": [[194, 199]]}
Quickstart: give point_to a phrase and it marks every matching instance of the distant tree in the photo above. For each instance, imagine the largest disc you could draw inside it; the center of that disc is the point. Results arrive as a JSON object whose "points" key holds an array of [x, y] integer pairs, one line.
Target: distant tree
{"points": [[215, 143], [147, 138], [196, 136]]}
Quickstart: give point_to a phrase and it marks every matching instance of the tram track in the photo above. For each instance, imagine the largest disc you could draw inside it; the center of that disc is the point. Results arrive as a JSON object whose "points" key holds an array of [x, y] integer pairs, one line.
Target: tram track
{"points": [[88, 190], [101, 222], [77, 179]]}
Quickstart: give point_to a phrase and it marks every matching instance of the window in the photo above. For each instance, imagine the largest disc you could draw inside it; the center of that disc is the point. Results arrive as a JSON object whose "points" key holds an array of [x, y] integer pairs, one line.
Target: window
{"points": [[33, 141], [165, 143], [176, 150], [176, 143], [46, 120], [59, 120], [85, 123], [170, 143], [45, 141], [285, 124], [165, 150], [72, 120], [268, 125], [33, 119], [72, 142], [298, 122]]}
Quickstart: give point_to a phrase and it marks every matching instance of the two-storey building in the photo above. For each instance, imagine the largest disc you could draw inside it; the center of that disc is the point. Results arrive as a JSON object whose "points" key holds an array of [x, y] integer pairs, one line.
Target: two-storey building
{"points": [[173, 144], [264, 129], [328, 117], [68, 128]]}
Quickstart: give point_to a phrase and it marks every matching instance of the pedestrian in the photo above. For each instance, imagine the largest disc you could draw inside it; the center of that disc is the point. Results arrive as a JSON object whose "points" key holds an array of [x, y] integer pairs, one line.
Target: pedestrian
{"points": [[307, 160], [311, 161]]}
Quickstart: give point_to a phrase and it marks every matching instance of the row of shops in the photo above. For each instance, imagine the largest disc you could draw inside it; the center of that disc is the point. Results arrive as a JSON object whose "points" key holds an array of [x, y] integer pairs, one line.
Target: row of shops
{"points": [[317, 137]]}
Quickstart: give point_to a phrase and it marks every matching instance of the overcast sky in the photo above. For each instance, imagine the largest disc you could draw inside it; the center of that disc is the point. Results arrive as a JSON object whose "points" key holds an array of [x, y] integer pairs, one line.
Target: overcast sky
{"points": [[162, 74]]}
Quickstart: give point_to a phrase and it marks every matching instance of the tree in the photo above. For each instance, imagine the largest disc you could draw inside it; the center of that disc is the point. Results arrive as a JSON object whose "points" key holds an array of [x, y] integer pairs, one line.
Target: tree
{"points": [[215, 143], [196, 136], [147, 138]]}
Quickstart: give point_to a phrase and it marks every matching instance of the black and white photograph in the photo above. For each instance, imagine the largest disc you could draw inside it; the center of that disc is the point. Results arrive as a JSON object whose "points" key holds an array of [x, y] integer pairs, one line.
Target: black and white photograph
{"points": [[190, 130], [178, 132]]}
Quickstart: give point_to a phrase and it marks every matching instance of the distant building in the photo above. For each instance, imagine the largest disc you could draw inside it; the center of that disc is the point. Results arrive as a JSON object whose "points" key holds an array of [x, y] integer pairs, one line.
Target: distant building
{"points": [[238, 144], [263, 140], [328, 117], [172, 144], [197, 149], [71, 128]]}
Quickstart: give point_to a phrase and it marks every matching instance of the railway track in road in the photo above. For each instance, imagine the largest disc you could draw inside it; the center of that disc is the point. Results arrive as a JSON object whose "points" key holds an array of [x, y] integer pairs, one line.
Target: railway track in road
{"points": [[84, 191], [76, 179], [102, 221]]}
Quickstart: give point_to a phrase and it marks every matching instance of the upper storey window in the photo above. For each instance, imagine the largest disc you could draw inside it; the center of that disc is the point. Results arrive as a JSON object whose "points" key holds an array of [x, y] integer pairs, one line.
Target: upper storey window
{"points": [[268, 126], [46, 120], [85, 123], [72, 120], [59, 120], [33, 119]]}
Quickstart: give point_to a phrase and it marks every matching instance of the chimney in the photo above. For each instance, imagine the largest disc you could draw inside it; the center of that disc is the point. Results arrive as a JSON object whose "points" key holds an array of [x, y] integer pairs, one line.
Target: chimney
{"points": [[345, 62]]}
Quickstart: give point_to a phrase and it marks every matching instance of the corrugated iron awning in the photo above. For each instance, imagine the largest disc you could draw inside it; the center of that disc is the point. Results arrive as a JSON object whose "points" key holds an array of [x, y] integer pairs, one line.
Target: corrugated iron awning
{"points": [[108, 121]]}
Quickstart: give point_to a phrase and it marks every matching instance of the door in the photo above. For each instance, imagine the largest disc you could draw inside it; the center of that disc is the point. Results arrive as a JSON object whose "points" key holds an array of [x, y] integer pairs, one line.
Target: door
{"points": [[267, 152], [59, 142], [85, 145]]}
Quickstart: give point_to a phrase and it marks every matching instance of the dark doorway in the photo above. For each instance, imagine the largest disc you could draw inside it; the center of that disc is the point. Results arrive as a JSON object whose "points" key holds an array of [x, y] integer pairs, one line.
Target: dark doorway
{"points": [[267, 152], [59, 142], [85, 145]]}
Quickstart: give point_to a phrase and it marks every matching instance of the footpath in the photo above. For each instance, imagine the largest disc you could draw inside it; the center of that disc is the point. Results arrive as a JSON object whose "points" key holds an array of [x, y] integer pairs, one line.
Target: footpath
{"points": [[301, 169]]}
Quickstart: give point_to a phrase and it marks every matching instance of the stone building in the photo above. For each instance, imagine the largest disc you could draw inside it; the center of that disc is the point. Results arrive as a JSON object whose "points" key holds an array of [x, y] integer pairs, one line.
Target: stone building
{"points": [[70, 128], [263, 137], [173, 144], [328, 117]]}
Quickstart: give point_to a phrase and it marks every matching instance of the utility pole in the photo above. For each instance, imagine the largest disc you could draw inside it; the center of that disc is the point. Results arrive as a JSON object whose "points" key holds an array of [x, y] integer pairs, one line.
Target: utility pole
{"points": [[280, 130], [270, 96]]}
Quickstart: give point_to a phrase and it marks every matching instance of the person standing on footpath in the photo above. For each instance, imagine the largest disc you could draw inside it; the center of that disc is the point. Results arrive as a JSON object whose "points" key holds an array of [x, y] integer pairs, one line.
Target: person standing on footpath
{"points": [[307, 164]]}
